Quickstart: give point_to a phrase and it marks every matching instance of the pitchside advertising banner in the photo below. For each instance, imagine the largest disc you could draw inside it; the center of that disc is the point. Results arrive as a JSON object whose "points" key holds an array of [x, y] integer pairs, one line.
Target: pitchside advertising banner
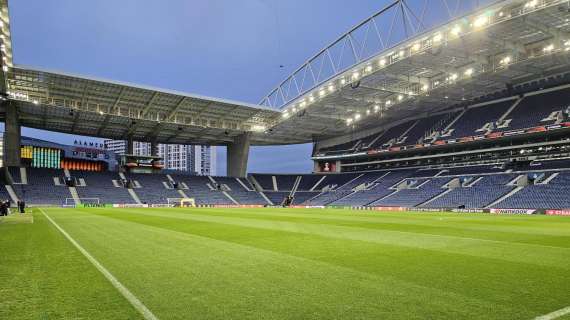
{"points": [[564, 212], [558, 212]]}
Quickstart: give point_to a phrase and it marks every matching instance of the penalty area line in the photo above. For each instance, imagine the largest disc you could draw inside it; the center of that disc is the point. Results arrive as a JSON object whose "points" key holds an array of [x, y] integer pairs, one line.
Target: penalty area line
{"points": [[135, 302], [554, 315]]}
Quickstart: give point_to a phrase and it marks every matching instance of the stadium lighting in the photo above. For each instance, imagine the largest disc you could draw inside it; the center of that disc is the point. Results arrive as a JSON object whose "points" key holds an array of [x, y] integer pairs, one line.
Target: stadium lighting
{"points": [[382, 62], [416, 47], [286, 115], [456, 30], [343, 81], [388, 103], [531, 4], [36, 102], [101, 113], [468, 72], [355, 75], [437, 38], [5, 68], [322, 93], [368, 69], [425, 87], [331, 88], [376, 108], [506, 60], [480, 21], [357, 117], [453, 77], [348, 121], [368, 112], [302, 104], [294, 109], [311, 99], [548, 48], [400, 97], [258, 128]]}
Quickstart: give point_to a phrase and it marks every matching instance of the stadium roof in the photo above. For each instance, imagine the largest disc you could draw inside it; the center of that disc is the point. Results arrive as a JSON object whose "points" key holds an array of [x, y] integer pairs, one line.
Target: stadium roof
{"points": [[65, 103], [475, 54], [413, 69]]}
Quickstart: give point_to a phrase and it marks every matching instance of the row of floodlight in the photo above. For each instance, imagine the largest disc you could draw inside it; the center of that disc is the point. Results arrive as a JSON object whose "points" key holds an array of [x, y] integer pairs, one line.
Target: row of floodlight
{"points": [[504, 62], [435, 39], [3, 48]]}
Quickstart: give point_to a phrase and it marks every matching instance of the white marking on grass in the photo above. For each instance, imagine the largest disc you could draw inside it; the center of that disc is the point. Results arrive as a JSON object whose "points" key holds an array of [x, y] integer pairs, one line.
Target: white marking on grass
{"points": [[139, 306], [554, 315]]}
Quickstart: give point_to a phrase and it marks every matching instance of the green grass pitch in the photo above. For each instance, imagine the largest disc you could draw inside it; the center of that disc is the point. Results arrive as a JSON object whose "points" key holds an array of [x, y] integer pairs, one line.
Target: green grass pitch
{"points": [[284, 264]]}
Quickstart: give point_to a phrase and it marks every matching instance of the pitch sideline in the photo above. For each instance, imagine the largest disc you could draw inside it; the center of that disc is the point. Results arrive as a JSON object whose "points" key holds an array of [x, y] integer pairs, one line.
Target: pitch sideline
{"points": [[135, 302], [554, 315]]}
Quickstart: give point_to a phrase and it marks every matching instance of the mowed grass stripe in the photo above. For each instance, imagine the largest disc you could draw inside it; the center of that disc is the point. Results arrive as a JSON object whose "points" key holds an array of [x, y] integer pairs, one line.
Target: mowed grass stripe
{"points": [[514, 252], [502, 282], [438, 225], [42, 276], [133, 300], [198, 272], [524, 224]]}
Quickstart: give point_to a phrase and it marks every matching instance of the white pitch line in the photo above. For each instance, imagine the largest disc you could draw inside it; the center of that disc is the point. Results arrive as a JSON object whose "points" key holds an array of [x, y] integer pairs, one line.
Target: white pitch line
{"points": [[554, 315], [147, 314]]}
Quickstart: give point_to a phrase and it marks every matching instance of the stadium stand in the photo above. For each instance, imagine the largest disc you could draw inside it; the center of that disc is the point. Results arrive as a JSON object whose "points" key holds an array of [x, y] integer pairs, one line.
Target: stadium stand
{"points": [[554, 195], [541, 183], [203, 190], [238, 192], [100, 185], [486, 190], [41, 187], [533, 110], [276, 198], [151, 188], [309, 181]]}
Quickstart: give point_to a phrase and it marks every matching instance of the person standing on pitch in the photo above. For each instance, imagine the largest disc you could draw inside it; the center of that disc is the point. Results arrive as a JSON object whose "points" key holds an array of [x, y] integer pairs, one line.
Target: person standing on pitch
{"points": [[22, 206]]}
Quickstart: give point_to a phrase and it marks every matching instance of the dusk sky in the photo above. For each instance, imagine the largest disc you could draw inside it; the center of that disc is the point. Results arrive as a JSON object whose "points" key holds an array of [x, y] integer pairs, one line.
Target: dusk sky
{"points": [[220, 48]]}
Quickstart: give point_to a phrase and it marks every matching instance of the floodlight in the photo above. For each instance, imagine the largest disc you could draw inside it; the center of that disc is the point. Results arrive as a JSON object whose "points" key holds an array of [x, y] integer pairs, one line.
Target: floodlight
{"points": [[548, 48], [456, 30], [480, 21], [437, 38]]}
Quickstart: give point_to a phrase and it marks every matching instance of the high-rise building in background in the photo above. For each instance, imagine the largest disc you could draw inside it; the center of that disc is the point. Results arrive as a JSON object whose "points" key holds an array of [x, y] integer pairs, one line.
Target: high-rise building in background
{"points": [[192, 158]]}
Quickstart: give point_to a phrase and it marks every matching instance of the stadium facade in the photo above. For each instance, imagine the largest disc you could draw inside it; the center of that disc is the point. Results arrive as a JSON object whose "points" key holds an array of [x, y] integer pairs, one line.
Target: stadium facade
{"points": [[402, 110]]}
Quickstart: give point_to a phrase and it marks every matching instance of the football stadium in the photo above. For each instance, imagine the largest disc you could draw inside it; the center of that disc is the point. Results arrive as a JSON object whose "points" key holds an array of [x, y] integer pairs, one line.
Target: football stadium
{"points": [[440, 187]]}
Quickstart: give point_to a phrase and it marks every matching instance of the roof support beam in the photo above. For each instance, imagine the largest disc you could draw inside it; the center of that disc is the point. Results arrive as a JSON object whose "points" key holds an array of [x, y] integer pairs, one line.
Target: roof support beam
{"points": [[172, 113], [111, 112], [148, 105]]}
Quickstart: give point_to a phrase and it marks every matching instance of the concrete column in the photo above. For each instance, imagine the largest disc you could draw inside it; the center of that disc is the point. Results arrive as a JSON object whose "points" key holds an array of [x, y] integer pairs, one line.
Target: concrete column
{"points": [[130, 146], [12, 136], [154, 148], [238, 153]]}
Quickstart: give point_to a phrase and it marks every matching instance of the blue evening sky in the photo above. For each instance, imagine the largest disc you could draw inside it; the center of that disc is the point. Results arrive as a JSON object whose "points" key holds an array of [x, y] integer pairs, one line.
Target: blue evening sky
{"points": [[222, 48]]}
